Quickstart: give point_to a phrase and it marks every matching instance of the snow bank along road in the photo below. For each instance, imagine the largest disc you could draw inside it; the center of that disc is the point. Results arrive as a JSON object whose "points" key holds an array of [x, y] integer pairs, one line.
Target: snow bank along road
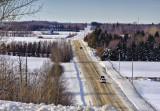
{"points": [[100, 93]]}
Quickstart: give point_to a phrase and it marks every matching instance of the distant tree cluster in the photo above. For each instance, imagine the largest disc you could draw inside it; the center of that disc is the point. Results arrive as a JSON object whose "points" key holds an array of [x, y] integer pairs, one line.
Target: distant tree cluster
{"points": [[21, 33], [71, 35], [95, 24], [143, 51], [62, 52], [45, 26], [39, 49], [139, 45], [35, 49], [121, 29]]}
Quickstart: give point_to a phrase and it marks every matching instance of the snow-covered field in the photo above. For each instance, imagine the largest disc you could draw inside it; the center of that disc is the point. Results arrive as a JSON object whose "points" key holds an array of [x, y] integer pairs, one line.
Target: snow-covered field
{"points": [[62, 35], [147, 88], [75, 81], [144, 69], [59, 32], [33, 62]]}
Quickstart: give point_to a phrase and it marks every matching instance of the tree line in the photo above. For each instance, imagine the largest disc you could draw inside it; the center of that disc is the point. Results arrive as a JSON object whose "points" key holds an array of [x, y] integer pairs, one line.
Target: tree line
{"points": [[38, 49], [31, 49], [138, 45], [45, 26], [24, 33]]}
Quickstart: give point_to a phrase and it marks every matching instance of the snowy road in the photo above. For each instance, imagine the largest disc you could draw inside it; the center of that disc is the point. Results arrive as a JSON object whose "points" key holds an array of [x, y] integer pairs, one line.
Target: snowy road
{"points": [[100, 93]]}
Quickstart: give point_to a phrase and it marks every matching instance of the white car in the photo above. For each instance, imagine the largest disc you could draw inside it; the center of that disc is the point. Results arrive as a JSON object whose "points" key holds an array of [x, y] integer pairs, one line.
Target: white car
{"points": [[103, 79]]}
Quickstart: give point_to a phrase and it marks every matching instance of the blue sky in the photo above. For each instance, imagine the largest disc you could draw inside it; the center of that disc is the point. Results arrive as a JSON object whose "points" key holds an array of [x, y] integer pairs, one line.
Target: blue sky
{"points": [[112, 11]]}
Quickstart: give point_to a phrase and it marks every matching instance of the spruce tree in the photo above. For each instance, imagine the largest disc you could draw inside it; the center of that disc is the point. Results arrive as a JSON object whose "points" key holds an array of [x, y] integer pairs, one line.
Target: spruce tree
{"points": [[141, 52], [157, 34], [149, 47]]}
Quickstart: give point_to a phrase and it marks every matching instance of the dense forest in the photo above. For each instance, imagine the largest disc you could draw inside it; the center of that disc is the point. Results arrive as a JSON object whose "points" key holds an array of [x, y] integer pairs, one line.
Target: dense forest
{"points": [[126, 42]]}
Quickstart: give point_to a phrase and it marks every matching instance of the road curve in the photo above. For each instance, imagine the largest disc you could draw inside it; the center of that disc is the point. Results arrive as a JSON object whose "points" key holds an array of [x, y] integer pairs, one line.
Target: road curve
{"points": [[101, 93]]}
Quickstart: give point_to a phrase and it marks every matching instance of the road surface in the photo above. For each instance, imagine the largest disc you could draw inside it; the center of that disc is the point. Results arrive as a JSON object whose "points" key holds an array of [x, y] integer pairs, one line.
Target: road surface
{"points": [[101, 93]]}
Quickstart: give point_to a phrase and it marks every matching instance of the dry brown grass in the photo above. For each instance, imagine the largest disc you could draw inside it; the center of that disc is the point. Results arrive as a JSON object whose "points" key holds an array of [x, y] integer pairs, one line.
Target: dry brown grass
{"points": [[99, 50]]}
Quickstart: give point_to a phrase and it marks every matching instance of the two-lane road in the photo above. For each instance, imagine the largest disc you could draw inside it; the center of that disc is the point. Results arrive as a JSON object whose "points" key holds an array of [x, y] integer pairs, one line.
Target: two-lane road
{"points": [[101, 93]]}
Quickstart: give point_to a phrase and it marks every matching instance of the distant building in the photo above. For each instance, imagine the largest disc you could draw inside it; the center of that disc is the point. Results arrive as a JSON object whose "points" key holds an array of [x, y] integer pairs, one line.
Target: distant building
{"points": [[52, 31]]}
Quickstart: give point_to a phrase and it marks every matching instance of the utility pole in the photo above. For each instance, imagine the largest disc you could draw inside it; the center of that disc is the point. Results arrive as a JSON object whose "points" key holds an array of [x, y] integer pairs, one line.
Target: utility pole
{"points": [[132, 69], [109, 56], [132, 63], [91, 43], [119, 62], [133, 51], [26, 66]]}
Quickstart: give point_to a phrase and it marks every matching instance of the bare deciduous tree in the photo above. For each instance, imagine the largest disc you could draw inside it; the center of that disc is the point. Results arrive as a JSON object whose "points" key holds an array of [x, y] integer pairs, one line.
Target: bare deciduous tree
{"points": [[62, 52], [11, 10]]}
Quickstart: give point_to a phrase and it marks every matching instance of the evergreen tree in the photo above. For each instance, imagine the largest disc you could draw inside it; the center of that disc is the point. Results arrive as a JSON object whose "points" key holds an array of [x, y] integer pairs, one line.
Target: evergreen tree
{"points": [[30, 49], [157, 53], [117, 24], [34, 49], [95, 36], [110, 37], [126, 37], [157, 34], [113, 55], [124, 52], [149, 48], [143, 34], [119, 50], [133, 51], [141, 52], [38, 49]]}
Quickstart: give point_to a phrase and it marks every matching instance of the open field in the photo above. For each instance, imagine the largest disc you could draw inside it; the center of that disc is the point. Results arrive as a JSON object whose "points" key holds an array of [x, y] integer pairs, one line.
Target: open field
{"points": [[147, 88]]}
